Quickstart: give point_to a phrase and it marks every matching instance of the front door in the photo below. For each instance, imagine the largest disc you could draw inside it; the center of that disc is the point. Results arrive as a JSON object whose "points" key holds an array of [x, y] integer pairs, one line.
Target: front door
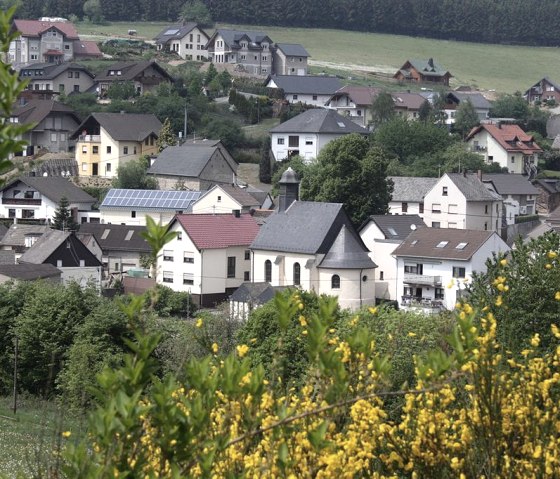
{"points": [[418, 293], [95, 169]]}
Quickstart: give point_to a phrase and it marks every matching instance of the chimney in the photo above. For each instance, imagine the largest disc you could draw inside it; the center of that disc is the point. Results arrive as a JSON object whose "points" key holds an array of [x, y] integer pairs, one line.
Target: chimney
{"points": [[431, 62], [289, 189], [237, 213]]}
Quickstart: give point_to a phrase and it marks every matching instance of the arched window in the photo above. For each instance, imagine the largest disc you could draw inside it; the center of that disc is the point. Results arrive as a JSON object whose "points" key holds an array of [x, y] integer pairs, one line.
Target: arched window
{"points": [[297, 274], [268, 271], [335, 281]]}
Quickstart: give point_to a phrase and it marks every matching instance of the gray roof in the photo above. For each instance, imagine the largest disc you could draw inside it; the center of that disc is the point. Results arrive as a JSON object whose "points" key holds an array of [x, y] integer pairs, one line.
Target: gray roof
{"points": [[305, 227], [29, 272], [477, 99], [174, 32], [232, 37], [241, 195], [255, 293], [123, 126], [3, 230], [131, 71], [117, 237], [292, 49], [35, 111], [49, 71], [54, 188], [423, 243], [473, 188], [510, 184], [16, 234], [319, 120], [186, 160], [307, 84], [427, 67], [44, 247], [7, 256], [411, 189], [56, 164], [347, 253], [396, 227]]}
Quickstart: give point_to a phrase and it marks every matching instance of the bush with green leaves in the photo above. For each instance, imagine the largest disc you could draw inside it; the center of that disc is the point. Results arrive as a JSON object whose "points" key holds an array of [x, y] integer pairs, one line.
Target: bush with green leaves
{"points": [[165, 302]]}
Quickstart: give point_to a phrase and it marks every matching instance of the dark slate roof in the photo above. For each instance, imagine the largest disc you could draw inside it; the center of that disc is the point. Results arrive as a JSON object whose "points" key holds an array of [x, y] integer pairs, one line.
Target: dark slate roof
{"points": [[307, 84], [131, 70], [305, 227], [473, 188], [7, 256], [44, 246], [185, 160], [56, 164], [29, 272], [292, 49], [477, 99], [347, 253], [117, 237], [124, 126], [54, 188], [510, 184], [35, 111], [241, 195], [319, 120], [396, 227], [255, 293], [551, 185], [427, 67], [174, 32], [232, 37], [16, 234], [423, 242], [259, 195], [410, 188], [49, 71], [3, 230]]}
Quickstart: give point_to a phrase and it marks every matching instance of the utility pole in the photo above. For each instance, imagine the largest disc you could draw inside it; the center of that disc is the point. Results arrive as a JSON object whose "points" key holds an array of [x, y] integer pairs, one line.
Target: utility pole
{"points": [[185, 125], [15, 375]]}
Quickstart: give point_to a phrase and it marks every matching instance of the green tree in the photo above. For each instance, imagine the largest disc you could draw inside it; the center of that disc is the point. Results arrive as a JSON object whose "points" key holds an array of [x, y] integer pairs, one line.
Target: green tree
{"points": [[351, 172], [132, 175], [166, 136], [63, 219], [93, 10], [265, 168], [382, 109], [466, 118], [425, 111], [510, 106], [196, 11], [211, 74], [121, 90], [166, 302]]}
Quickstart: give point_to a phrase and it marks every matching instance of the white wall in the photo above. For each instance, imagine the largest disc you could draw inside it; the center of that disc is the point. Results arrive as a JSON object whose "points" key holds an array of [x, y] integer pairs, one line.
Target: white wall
{"points": [[354, 292], [117, 217], [396, 208]]}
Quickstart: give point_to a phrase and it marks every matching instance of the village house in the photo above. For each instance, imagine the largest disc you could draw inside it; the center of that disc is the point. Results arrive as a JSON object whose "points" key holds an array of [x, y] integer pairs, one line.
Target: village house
{"points": [[29, 272], [309, 132], [434, 266], [408, 104], [382, 234], [53, 123], [194, 165], [209, 257], [409, 193], [454, 99], [144, 76], [38, 198], [47, 41], [549, 194], [225, 199], [54, 79], [423, 71], [354, 102], [308, 89], [507, 145], [544, 90], [313, 246], [250, 296], [130, 207], [19, 238], [249, 51], [187, 40], [106, 141], [289, 59]]}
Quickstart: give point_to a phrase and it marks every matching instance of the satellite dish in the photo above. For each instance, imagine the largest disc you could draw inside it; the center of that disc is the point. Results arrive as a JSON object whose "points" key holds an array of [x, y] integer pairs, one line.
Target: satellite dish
{"points": [[413, 227]]}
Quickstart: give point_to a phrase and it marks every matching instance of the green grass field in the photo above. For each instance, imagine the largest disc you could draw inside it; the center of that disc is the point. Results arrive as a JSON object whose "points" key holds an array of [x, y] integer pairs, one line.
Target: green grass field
{"points": [[504, 68]]}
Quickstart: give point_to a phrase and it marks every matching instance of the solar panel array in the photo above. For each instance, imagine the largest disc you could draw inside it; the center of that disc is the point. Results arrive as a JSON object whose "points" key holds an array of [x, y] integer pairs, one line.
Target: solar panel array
{"points": [[157, 199]]}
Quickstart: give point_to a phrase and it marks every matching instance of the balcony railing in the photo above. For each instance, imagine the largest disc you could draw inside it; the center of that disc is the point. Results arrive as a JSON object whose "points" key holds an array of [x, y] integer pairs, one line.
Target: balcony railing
{"points": [[425, 303], [412, 278], [21, 201], [90, 138]]}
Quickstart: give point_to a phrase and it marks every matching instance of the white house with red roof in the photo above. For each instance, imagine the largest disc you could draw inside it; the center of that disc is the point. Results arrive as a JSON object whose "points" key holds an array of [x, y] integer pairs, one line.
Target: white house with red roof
{"points": [[210, 257], [507, 145], [47, 41]]}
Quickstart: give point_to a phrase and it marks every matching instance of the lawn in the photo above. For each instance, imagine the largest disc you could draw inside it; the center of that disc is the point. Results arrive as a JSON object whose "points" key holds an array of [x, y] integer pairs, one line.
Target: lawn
{"points": [[504, 68], [28, 438]]}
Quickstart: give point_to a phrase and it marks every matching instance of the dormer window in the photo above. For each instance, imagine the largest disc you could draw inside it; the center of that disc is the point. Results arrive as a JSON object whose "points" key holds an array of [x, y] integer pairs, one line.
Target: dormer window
{"points": [[119, 73]]}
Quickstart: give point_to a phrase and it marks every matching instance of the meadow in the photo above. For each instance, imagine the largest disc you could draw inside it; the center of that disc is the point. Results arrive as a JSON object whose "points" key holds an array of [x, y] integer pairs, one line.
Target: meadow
{"points": [[503, 68]]}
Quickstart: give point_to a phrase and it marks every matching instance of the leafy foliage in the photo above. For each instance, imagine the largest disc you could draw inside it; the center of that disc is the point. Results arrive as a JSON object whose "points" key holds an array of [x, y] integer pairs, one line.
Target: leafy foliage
{"points": [[382, 109], [196, 11], [132, 175], [166, 136], [466, 118]]}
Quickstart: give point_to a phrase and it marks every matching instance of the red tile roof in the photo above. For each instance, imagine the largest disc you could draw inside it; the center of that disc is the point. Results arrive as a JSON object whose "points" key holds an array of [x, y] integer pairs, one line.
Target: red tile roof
{"points": [[219, 231], [510, 137], [360, 95], [34, 28], [86, 48]]}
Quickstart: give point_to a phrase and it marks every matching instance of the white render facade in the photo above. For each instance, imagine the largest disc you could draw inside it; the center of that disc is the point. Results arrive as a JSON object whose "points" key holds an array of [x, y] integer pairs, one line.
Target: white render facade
{"points": [[191, 46], [306, 145]]}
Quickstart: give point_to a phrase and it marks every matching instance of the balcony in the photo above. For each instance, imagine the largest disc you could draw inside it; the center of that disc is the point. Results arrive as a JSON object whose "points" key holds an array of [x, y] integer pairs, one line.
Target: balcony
{"points": [[426, 304], [90, 138], [479, 148], [424, 279], [21, 201]]}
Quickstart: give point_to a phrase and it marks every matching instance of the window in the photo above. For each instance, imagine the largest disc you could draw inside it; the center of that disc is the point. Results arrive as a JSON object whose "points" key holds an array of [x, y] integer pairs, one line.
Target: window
{"points": [[461, 245], [485, 225], [168, 276], [108, 149], [188, 278], [442, 244], [27, 214], [335, 281], [84, 150], [219, 198], [108, 168], [513, 159], [404, 207], [28, 194], [294, 97], [297, 274], [34, 56], [61, 88], [436, 224], [309, 141], [11, 213], [314, 97], [246, 276], [436, 208], [421, 208], [84, 166], [53, 137], [231, 267], [268, 271], [280, 141], [70, 74], [439, 293], [179, 234], [265, 58], [247, 254], [76, 74], [95, 150], [444, 191], [188, 257], [134, 150], [167, 255], [125, 150], [191, 37], [77, 88], [485, 209], [458, 272], [133, 214], [293, 141], [381, 275]]}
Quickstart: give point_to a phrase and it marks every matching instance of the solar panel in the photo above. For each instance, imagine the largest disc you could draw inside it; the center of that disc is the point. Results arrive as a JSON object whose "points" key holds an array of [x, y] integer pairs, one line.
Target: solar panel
{"points": [[172, 200], [171, 31]]}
